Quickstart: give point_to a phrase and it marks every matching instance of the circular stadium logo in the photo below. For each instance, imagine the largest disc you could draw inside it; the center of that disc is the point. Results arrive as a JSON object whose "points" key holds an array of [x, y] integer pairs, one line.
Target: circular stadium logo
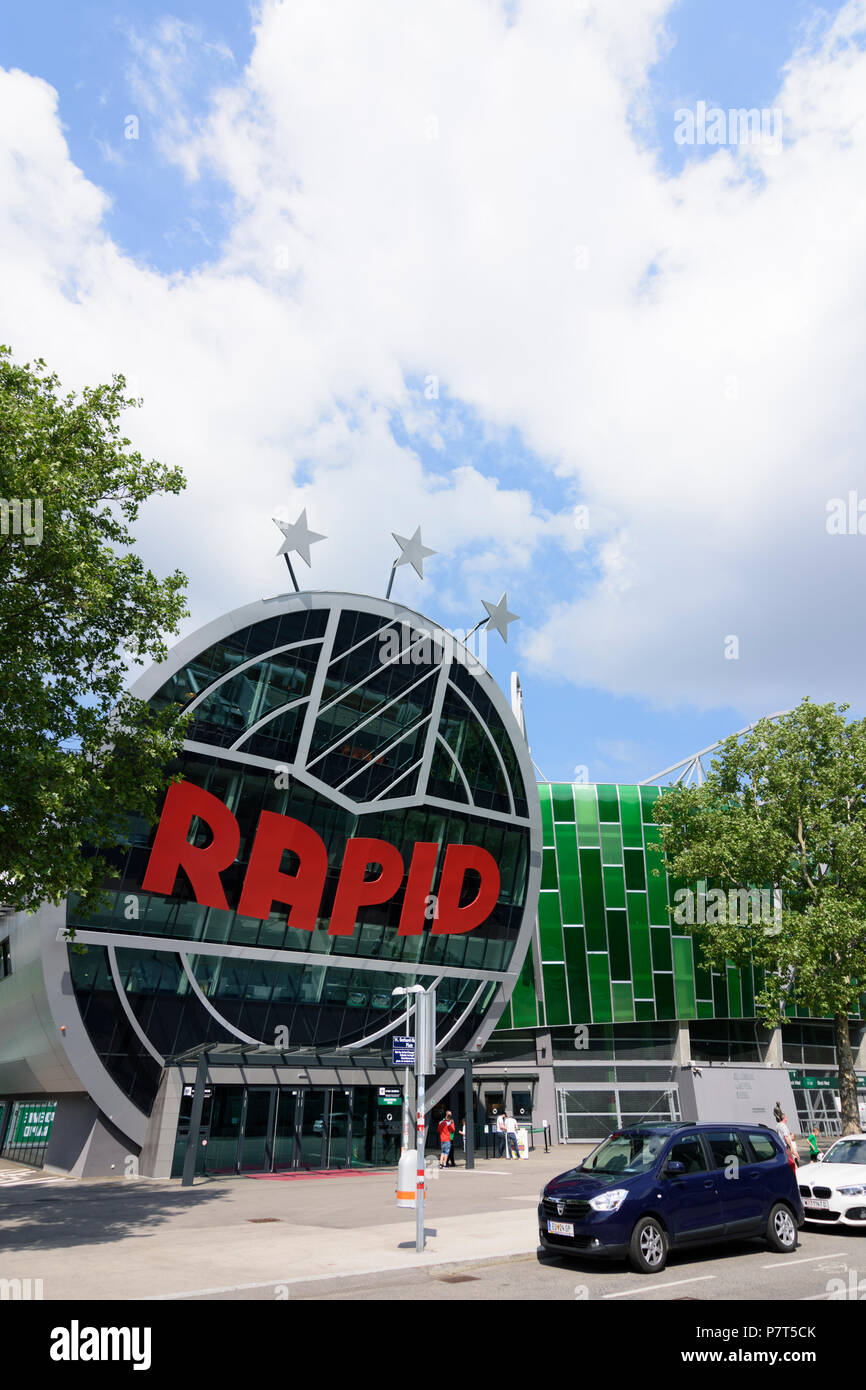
{"points": [[356, 811]]}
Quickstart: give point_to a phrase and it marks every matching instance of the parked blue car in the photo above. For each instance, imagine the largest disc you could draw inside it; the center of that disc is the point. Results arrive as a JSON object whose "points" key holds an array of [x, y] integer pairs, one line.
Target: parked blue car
{"points": [[651, 1188]]}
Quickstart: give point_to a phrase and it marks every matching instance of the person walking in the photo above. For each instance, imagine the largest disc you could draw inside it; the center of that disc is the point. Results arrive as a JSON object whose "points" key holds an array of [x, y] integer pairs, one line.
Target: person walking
{"points": [[446, 1131], [500, 1135], [814, 1146], [452, 1151], [511, 1137], [787, 1137]]}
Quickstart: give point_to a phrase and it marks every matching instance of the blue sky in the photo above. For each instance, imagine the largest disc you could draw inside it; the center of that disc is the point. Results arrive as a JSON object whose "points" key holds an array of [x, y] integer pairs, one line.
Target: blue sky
{"points": [[103, 61]]}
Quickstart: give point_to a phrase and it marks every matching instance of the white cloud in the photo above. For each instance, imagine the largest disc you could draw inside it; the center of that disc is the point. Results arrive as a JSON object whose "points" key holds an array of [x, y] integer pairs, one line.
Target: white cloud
{"points": [[410, 185]]}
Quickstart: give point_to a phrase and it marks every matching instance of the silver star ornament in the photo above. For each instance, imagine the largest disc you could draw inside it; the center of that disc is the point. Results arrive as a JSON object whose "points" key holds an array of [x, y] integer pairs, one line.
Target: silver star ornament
{"points": [[414, 552], [298, 537], [498, 616]]}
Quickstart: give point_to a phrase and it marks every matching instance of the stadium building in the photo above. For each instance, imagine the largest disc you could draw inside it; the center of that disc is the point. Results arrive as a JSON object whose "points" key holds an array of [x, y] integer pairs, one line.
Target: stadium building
{"points": [[357, 812]]}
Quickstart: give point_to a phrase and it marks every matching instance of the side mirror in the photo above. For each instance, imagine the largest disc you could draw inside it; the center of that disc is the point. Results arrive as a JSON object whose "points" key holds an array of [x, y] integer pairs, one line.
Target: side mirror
{"points": [[674, 1169], [820, 1158]]}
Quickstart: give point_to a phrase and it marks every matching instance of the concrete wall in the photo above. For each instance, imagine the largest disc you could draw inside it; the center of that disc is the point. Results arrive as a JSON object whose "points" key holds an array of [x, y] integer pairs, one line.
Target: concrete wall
{"points": [[84, 1144]]}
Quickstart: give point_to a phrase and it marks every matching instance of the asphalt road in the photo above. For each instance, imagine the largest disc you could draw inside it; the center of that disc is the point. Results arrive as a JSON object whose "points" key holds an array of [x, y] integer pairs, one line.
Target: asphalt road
{"points": [[827, 1265]]}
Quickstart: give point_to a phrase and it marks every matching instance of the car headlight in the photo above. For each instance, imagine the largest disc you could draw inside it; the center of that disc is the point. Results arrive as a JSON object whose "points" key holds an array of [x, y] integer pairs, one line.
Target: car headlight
{"points": [[856, 1191], [609, 1201]]}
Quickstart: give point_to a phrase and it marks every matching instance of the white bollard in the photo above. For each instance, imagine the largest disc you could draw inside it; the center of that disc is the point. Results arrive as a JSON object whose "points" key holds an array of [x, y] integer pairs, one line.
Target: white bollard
{"points": [[406, 1178]]}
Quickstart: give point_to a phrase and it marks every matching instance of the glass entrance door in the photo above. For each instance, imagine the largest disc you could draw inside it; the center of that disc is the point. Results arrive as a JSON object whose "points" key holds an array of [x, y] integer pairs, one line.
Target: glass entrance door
{"points": [[284, 1131], [221, 1154], [257, 1143], [338, 1129], [311, 1136]]}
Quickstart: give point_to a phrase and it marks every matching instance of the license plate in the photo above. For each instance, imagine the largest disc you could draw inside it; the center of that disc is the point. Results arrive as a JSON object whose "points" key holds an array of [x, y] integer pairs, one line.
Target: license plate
{"points": [[560, 1228], [816, 1202]]}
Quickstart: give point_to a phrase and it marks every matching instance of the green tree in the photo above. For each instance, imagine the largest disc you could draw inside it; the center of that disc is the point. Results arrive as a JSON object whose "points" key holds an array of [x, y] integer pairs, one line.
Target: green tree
{"points": [[785, 805], [77, 754]]}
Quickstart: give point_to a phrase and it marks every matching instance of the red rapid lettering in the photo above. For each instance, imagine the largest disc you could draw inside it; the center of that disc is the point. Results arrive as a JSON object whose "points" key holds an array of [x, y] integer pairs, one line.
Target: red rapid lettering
{"points": [[418, 885], [452, 917], [172, 850], [265, 883], [354, 890]]}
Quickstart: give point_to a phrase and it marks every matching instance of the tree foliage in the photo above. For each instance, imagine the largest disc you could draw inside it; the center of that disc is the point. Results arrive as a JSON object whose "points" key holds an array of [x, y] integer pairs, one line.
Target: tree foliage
{"points": [[785, 806], [77, 606]]}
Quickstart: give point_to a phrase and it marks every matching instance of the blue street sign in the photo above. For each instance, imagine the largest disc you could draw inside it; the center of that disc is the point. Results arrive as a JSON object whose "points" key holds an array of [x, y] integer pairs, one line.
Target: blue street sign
{"points": [[402, 1052]]}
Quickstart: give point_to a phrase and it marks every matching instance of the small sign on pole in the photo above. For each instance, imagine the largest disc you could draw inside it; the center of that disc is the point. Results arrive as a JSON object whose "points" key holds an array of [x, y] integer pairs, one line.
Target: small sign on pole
{"points": [[402, 1052]]}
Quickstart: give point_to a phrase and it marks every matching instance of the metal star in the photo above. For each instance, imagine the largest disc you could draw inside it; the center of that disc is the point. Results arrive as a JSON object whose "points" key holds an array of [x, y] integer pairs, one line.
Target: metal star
{"points": [[298, 536], [499, 616], [414, 552]]}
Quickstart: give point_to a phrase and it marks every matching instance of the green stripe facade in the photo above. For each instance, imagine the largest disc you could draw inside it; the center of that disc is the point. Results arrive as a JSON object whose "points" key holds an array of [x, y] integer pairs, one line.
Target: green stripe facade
{"points": [[609, 949]]}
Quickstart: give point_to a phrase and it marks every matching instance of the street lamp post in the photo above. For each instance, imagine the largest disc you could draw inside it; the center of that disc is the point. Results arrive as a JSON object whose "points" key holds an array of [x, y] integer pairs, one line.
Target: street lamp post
{"points": [[407, 990]]}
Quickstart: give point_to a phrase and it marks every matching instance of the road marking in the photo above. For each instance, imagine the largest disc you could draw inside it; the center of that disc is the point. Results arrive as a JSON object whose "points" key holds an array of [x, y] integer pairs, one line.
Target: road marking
{"points": [[786, 1264], [701, 1278]]}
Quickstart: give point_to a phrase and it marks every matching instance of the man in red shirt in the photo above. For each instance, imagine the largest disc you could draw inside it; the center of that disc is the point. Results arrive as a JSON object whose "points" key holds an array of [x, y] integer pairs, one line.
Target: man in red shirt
{"points": [[446, 1136]]}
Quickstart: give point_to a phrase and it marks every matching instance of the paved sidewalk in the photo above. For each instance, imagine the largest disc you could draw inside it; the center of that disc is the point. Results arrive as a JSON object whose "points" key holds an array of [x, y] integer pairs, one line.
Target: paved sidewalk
{"points": [[145, 1239]]}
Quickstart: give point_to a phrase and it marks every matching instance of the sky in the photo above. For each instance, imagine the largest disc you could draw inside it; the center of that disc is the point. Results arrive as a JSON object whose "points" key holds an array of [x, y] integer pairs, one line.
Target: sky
{"points": [[517, 273]]}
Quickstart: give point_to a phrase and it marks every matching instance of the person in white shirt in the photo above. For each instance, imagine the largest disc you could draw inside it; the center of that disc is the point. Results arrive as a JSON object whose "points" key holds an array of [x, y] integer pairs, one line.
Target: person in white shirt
{"points": [[511, 1137], [500, 1135], [787, 1137]]}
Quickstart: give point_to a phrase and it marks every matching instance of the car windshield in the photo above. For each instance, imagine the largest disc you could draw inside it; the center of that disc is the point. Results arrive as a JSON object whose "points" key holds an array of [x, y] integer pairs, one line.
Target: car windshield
{"points": [[625, 1153], [847, 1151]]}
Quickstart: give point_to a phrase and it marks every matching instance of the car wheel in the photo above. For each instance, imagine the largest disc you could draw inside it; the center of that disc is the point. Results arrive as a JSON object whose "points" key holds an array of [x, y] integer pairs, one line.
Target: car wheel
{"points": [[781, 1229], [648, 1249]]}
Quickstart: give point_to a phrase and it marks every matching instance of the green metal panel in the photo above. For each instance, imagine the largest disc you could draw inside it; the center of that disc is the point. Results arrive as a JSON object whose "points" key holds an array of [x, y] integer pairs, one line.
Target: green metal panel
{"points": [[735, 993], [614, 887], [523, 1003], [623, 1003], [618, 946], [632, 829], [599, 988], [593, 899], [555, 994], [546, 813], [648, 797], [665, 1001], [586, 810], [656, 882], [641, 961], [608, 802], [569, 874], [635, 869], [748, 992], [549, 926], [661, 949], [549, 874], [644, 1010], [563, 801], [684, 977], [611, 845], [638, 913], [576, 972]]}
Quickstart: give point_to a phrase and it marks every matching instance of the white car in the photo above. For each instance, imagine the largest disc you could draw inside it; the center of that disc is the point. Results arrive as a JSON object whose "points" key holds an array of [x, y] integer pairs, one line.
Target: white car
{"points": [[834, 1188]]}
